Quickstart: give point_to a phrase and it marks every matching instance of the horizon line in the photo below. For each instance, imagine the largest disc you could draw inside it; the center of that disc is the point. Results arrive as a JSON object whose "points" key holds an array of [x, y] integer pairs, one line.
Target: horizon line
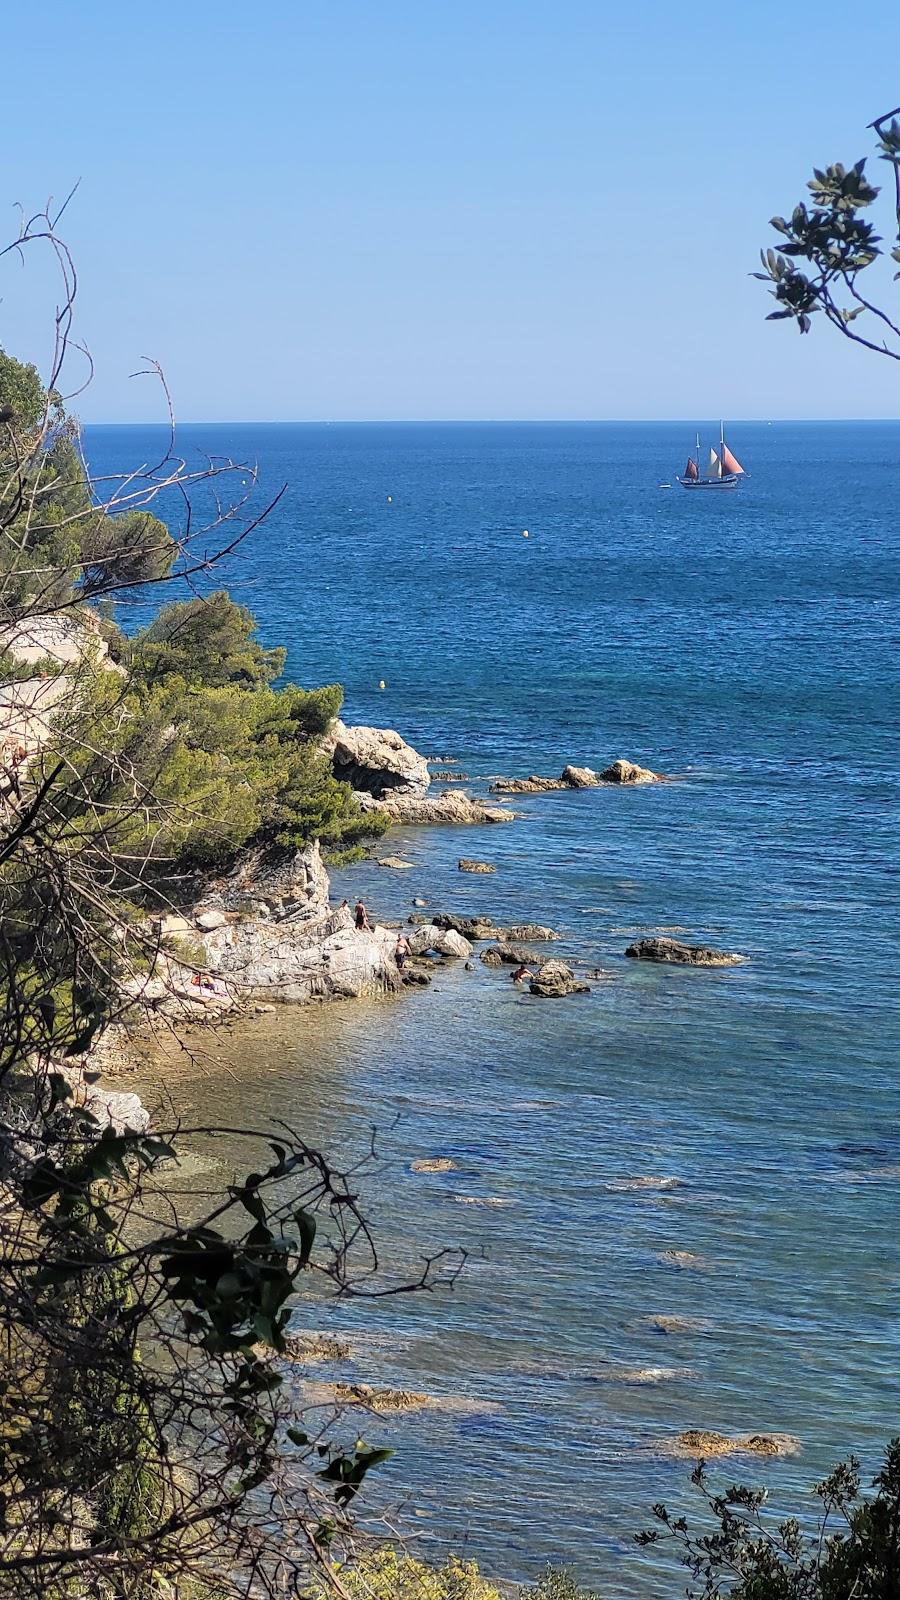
{"points": [[464, 422]]}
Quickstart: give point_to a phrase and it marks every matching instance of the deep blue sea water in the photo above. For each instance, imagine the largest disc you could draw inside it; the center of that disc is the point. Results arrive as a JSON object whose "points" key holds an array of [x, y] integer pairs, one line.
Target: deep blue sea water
{"points": [[748, 645]]}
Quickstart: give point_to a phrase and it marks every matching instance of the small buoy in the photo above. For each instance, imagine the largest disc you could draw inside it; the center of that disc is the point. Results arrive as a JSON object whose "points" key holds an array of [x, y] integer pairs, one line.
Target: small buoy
{"points": [[390, 499], [381, 683], [524, 533]]}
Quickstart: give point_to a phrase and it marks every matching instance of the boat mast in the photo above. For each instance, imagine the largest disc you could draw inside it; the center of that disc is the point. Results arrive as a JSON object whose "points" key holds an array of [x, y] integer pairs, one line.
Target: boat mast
{"points": [[721, 449], [698, 455]]}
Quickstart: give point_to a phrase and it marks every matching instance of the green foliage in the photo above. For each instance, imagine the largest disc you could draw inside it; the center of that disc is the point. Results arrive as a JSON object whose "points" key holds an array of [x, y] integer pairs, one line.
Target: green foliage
{"points": [[134, 547], [234, 760], [557, 1583], [21, 392], [837, 244], [206, 641], [853, 1553], [56, 542], [385, 1574]]}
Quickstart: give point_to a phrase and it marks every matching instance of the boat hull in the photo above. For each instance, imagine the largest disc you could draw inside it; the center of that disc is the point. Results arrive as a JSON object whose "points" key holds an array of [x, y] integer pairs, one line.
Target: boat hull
{"points": [[727, 481]]}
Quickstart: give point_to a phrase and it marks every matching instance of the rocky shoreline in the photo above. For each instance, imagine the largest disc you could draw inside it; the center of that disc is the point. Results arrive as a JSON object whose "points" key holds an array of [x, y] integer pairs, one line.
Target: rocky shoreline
{"points": [[267, 933]]}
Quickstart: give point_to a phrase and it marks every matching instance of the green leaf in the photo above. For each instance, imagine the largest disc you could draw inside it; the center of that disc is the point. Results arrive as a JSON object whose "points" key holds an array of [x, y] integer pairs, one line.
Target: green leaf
{"points": [[306, 1227]]}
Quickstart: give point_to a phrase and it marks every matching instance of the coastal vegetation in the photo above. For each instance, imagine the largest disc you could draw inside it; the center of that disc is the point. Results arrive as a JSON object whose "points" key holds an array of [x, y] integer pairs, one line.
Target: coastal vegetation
{"points": [[850, 1552], [828, 243], [145, 1441]]}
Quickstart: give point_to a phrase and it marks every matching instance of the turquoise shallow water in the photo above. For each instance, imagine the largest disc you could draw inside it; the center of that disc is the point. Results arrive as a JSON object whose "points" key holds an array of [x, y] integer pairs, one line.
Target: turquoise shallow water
{"points": [[747, 645]]}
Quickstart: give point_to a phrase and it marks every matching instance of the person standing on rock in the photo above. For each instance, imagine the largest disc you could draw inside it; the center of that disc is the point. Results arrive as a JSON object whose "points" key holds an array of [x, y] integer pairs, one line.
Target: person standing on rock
{"points": [[361, 918], [401, 951]]}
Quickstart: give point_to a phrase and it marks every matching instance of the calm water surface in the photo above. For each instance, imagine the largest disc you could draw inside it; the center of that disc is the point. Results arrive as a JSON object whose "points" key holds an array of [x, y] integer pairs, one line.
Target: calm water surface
{"points": [[748, 645]]}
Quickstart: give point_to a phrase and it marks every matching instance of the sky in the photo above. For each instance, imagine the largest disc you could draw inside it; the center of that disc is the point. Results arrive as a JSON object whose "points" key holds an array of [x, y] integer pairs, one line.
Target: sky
{"points": [[447, 209]]}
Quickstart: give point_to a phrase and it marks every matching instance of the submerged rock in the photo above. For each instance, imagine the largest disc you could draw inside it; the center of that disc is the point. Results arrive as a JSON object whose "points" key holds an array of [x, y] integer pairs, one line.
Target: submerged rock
{"points": [[303, 1347], [363, 1394], [686, 955], [662, 1322], [683, 1259], [641, 1185], [464, 864], [396, 1400], [434, 1164], [376, 760], [628, 772], [445, 941], [645, 1375], [415, 977], [699, 1443], [555, 980]]}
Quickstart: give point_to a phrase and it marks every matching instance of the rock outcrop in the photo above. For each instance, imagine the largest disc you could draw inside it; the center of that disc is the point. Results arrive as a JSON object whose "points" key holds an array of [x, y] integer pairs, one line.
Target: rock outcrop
{"points": [[528, 930], [532, 785], [472, 928], [284, 885], [451, 807], [509, 955], [685, 955], [34, 1107], [577, 778], [464, 864], [443, 941], [580, 778], [628, 772], [554, 980], [268, 932], [376, 761]]}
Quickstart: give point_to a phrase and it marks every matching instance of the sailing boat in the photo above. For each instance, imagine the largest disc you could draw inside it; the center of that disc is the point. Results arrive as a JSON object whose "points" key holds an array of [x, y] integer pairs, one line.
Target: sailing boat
{"points": [[723, 471]]}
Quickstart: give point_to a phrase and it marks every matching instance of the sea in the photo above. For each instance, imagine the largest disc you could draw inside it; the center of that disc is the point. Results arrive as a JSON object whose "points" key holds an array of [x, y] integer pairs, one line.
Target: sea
{"points": [[716, 1146]]}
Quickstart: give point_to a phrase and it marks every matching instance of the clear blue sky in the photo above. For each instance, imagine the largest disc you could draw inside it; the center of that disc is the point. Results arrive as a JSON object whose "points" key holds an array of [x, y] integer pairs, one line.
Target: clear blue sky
{"points": [[440, 209]]}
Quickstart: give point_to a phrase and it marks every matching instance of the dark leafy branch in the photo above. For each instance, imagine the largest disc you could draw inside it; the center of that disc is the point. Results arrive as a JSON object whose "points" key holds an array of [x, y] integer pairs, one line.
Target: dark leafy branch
{"points": [[829, 244], [850, 1551]]}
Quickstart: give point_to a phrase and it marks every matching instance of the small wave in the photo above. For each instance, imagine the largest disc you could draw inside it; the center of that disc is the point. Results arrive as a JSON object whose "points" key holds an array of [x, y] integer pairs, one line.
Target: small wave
{"points": [[640, 1185], [683, 1259]]}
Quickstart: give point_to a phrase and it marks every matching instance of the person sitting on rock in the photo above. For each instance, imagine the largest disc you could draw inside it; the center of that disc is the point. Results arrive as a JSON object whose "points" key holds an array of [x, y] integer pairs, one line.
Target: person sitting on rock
{"points": [[521, 973], [361, 917], [401, 951]]}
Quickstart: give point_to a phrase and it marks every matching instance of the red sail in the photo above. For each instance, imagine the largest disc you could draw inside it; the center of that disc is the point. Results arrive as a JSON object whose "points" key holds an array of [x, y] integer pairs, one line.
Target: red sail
{"points": [[730, 463], [691, 470]]}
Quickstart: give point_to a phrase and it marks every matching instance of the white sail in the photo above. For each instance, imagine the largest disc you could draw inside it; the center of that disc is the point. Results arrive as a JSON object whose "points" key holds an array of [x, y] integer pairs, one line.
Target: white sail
{"points": [[714, 469]]}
